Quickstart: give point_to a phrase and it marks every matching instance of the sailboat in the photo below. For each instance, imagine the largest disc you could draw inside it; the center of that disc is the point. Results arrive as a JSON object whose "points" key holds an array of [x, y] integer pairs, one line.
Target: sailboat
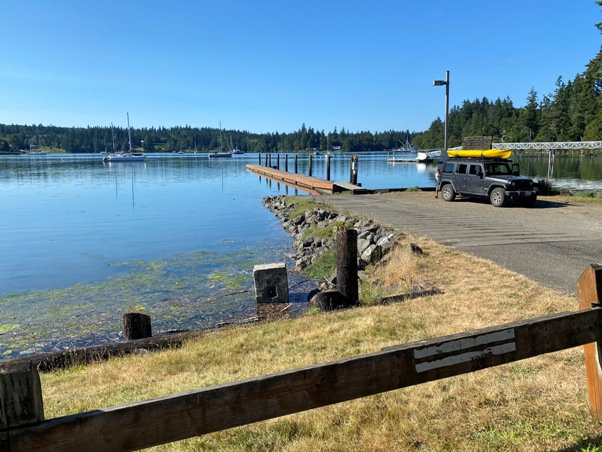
{"points": [[125, 156], [219, 153]]}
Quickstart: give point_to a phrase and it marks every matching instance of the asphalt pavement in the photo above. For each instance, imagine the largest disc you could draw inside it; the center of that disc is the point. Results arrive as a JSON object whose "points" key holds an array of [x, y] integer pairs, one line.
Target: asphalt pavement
{"points": [[551, 243]]}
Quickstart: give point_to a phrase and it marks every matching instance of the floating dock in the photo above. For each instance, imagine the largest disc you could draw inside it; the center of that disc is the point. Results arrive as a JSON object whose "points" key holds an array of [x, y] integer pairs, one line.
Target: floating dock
{"points": [[310, 184]]}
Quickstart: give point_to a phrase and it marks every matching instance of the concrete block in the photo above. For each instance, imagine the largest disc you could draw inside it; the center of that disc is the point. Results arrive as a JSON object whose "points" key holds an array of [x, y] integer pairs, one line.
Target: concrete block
{"points": [[271, 283]]}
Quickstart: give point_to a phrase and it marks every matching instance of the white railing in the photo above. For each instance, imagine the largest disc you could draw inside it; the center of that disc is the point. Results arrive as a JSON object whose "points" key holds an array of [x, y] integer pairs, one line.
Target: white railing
{"points": [[547, 146]]}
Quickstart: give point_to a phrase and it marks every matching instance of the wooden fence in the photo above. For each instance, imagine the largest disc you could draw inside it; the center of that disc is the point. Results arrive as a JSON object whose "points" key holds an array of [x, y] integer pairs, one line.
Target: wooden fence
{"points": [[176, 417]]}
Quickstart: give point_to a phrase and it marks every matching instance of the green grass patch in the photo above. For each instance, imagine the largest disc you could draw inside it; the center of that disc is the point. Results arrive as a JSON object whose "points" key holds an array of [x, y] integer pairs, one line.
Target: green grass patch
{"points": [[411, 189], [324, 266], [328, 232], [300, 205]]}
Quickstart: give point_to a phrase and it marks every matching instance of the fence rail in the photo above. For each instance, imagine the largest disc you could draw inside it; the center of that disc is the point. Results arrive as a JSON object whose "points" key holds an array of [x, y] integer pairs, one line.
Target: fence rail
{"points": [[176, 417]]}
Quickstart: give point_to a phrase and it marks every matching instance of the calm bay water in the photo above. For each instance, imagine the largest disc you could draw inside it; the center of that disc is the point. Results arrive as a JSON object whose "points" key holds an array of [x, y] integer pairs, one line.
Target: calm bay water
{"points": [[82, 242]]}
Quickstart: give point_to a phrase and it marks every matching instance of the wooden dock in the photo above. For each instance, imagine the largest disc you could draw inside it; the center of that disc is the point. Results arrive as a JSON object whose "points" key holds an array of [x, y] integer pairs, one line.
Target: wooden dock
{"points": [[310, 184]]}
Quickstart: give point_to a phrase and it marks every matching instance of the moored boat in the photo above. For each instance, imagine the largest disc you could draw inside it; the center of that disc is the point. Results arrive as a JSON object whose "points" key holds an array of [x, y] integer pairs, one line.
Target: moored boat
{"points": [[125, 156], [219, 155]]}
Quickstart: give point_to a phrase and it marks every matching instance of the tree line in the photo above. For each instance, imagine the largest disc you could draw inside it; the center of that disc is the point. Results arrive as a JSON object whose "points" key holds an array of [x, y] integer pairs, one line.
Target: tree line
{"points": [[174, 139]]}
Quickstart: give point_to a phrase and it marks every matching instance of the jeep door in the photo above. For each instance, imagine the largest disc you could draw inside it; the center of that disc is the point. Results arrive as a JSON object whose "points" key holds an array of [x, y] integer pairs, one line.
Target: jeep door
{"points": [[474, 179], [460, 177]]}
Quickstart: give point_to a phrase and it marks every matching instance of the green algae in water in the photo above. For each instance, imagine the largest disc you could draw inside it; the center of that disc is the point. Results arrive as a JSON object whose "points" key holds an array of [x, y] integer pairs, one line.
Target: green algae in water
{"points": [[185, 291]]}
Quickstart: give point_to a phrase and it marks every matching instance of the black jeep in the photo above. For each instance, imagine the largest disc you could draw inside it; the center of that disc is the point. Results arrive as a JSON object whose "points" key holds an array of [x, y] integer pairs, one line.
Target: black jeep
{"points": [[496, 179]]}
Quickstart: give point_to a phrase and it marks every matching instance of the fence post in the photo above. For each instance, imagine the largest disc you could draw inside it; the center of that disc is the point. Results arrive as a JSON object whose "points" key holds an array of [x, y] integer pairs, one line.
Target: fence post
{"points": [[136, 326], [20, 401], [589, 286], [347, 264]]}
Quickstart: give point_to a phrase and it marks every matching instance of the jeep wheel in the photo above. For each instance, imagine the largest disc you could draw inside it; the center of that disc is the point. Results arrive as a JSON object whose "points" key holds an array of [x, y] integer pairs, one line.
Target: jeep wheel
{"points": [[497, 197], [448, 193]]}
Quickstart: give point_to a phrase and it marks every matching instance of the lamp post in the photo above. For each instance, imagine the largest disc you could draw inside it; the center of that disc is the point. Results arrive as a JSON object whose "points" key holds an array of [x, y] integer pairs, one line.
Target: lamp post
{"points": [[446, 83]]}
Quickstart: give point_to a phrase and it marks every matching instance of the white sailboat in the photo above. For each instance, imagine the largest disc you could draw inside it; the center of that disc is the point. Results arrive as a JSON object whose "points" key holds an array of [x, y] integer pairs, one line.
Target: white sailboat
{"points": [[125, 156], [220, 153]]}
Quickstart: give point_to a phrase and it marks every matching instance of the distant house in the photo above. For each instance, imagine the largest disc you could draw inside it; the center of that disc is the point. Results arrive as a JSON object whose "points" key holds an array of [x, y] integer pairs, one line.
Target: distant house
{"points": [[336, 148]]}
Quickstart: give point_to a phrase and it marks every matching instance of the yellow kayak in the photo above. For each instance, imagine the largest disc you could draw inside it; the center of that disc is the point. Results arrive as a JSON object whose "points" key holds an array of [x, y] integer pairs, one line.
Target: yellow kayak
{"points": [[481, 153]]}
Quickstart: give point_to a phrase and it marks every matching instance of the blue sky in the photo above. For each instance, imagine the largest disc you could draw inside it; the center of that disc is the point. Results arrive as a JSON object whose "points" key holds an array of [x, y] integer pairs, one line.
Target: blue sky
{"points": [[268, 66]]}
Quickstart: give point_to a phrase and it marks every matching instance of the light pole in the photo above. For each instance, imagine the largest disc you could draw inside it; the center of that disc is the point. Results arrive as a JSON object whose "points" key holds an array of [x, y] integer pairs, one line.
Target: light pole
{"points": [[446, 83]]}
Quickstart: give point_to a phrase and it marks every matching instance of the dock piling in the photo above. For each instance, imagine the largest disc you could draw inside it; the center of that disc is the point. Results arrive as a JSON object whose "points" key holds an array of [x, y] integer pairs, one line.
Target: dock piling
{"points": [[353, 170], [327, 167], [309, 166]]}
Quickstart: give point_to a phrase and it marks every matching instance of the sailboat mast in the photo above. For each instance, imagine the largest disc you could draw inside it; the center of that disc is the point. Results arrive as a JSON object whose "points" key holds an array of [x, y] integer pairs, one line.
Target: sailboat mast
{"points": [[129, 132], [113, 137]]}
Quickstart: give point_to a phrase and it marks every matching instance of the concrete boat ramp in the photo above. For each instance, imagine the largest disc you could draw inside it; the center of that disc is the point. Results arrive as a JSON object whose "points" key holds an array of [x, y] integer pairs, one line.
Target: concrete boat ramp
{"points": [[551, 243]]}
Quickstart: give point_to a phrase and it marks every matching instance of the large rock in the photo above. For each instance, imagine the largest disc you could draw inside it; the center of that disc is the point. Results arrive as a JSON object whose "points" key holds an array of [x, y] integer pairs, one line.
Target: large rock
{"points": [[329, 300], [362, 244], [372, 254]]}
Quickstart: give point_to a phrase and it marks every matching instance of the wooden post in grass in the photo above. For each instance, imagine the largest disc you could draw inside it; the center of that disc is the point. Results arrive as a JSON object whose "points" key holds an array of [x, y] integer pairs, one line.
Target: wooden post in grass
{"points": [[20, 401], [347, 264], [328, 167], [309, 165], [136, 326], [589, 288]]}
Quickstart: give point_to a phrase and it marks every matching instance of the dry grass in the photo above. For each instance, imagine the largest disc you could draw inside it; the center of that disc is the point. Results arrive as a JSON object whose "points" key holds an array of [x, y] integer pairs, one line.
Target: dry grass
{"points": [[536, 404]]}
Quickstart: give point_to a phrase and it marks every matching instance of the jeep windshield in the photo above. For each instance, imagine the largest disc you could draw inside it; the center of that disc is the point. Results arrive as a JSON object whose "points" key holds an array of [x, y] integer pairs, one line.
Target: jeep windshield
{"points": [[497, 169]]}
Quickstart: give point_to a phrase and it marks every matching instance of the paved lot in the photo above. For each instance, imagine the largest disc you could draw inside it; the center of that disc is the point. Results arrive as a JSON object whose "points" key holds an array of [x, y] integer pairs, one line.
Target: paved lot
{"points": [[551, 243]]}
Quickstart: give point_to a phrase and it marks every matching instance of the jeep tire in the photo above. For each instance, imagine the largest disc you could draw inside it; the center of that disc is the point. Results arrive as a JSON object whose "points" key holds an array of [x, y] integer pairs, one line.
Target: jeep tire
{"points": [[497, 197], [448, 193]]}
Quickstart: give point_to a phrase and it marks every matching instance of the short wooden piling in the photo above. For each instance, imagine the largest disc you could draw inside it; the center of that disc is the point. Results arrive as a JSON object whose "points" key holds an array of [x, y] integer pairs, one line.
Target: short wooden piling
{"points": [[296, 165], [278, 160], [269, 159], [136, 326], [328, 167], [259, 158], [286, 162], [309, 165], [266, 159], [347, 264], [589, 289], [20, 401], [353, 170]]}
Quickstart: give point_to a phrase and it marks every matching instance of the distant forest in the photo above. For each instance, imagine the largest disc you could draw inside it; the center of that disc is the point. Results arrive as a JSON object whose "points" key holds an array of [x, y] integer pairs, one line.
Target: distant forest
{"points": [[100, 139], [573, 112]]}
